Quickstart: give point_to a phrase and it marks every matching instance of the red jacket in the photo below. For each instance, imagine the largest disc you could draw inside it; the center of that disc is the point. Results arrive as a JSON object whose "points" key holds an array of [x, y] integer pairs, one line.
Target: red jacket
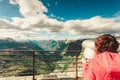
{"points": [[104, 66]]}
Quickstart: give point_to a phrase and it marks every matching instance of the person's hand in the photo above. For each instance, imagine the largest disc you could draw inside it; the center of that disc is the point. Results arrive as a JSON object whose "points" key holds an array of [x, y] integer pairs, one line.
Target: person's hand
{"points": [[85, 60]]}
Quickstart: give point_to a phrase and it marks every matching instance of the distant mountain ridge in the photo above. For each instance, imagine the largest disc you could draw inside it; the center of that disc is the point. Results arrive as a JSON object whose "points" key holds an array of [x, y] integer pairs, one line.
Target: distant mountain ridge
{"points": [[50, 44], [9, 43]]}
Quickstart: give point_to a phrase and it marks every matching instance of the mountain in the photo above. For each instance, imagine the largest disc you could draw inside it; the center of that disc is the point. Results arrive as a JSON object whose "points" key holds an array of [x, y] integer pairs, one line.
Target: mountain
{"points": [[50, 44], [32, 44], [13, 44], [11, 64], [46, 62]]}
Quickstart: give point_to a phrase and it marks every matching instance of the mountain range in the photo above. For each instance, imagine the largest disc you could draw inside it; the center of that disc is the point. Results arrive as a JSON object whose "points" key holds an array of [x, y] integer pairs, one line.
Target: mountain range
{"points": [[45, 61]]}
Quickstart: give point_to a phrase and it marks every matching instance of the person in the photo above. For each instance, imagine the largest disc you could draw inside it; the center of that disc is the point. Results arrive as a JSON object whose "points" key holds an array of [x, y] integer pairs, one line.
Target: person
{"points": [[105, 65]]}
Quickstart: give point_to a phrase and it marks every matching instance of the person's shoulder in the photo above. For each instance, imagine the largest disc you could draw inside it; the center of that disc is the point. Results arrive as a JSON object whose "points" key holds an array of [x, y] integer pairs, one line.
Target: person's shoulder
{"points": [[112, 55], [101, 55]]}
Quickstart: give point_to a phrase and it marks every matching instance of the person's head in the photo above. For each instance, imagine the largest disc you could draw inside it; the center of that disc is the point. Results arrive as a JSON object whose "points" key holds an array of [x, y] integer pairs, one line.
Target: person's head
{"points": [[106, 42]]}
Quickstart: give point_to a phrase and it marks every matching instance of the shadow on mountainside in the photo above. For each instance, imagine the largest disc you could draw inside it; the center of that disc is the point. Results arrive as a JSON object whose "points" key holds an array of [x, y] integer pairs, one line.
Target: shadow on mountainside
{"points": [[76, 45]]}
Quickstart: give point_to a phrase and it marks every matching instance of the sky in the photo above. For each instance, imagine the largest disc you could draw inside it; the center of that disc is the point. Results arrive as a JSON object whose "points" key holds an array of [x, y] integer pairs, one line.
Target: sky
{"points": [[58, 19]]}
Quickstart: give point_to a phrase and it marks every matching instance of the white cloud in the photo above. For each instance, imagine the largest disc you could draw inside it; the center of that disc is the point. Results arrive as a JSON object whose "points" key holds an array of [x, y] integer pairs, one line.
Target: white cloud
{"points": [[39, 23], [33, 22], [52, 15], [5, 24], [12, 2], [95, 25], [30, 8], [1, 0], [57, 17]]}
